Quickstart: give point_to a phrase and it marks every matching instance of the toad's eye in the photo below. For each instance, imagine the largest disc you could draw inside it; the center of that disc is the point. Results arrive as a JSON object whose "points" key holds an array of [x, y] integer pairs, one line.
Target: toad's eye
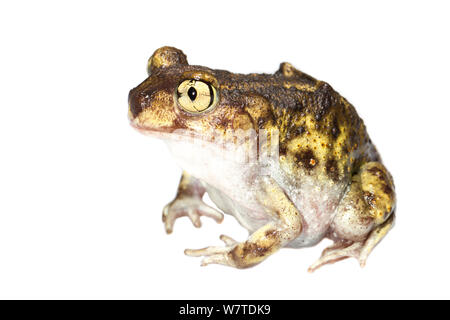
{"points": [[196, 96]]}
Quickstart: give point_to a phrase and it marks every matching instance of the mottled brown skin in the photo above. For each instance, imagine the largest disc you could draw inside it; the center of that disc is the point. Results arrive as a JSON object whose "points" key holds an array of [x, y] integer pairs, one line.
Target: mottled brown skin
{"points": [[320, 136]]}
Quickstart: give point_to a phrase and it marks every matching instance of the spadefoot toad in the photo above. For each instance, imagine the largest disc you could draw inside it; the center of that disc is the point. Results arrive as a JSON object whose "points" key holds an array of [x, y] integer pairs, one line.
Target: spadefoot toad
{"points": [[283, 153]]}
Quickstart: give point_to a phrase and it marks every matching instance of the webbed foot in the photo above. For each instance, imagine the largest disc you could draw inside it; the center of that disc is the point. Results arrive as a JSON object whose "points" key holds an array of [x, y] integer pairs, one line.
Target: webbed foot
{"points": [[216, 254], [337, 252], [359, 250]]}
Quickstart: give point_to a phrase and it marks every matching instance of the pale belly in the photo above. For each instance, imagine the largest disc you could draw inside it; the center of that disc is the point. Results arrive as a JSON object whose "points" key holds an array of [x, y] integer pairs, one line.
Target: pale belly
{"points": [[317, 205], [231, 186], [250, 215], [317, 209]]}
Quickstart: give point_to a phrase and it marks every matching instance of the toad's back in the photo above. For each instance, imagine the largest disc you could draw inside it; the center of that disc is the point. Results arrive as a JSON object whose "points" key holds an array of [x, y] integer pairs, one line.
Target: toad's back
{"points": [[320, 131]]}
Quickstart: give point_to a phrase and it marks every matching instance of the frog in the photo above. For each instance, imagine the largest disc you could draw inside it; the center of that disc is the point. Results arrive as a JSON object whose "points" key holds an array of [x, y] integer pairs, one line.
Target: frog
{"points": [[283, 153]]}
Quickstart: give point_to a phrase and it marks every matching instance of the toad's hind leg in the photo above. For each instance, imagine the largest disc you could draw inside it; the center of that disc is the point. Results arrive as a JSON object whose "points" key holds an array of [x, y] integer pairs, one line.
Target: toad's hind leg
{"points": [[359, 250], [374, 238], [286, 226], [363, 217]]}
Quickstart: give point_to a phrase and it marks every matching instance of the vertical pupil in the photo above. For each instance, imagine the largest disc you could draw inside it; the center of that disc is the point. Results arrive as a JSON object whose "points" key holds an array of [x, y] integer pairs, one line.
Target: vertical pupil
{"points": [[192, 93]]}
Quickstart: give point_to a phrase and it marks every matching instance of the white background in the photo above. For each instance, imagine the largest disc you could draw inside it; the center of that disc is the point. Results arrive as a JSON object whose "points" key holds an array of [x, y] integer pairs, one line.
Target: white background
{"points": [[81, 193]]}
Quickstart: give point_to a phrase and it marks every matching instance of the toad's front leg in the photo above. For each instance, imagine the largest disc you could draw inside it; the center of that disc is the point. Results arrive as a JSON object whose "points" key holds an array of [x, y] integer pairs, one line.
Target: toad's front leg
{"points": [[188, 202], [263, 242]]}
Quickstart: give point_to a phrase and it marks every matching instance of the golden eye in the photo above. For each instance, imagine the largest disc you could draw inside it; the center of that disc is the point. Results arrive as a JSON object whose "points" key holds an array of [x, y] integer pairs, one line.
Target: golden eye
{"points": [[196, 96]]}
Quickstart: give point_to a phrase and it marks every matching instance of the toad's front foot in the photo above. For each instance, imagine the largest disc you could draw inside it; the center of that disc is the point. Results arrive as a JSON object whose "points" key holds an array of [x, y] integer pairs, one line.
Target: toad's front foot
{"points": [[217, 255], [191, 207]]}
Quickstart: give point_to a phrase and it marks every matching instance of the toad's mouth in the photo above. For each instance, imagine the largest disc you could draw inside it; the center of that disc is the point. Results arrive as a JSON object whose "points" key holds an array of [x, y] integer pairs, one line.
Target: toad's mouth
{"points": [[159, 132], [170, 133]]}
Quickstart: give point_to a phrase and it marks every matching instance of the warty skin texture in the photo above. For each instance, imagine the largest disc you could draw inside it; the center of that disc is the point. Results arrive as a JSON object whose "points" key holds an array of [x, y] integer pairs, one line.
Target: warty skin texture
{"points": [[305, 170]]}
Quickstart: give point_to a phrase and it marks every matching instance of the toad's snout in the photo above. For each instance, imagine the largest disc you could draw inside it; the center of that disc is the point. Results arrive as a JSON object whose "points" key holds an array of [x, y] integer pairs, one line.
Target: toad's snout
{"points": [[135, 104]]}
